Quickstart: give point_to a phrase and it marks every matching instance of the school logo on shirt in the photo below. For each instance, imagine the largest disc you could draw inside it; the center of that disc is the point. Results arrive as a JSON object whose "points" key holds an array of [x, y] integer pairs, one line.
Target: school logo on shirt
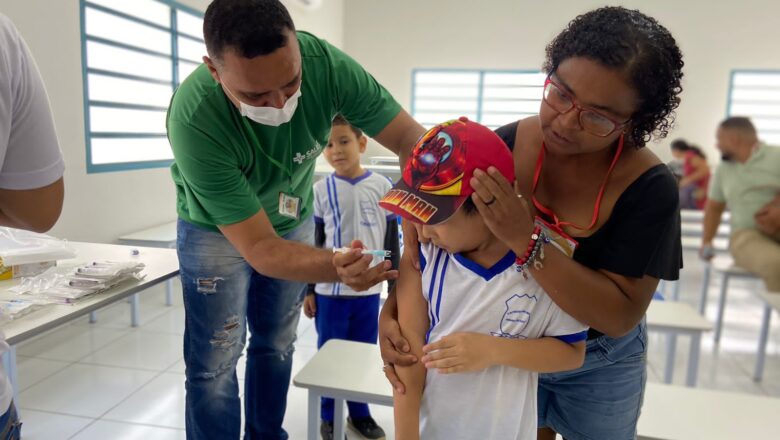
{"points": [[516, 316], [312, 153], [368, 214]]}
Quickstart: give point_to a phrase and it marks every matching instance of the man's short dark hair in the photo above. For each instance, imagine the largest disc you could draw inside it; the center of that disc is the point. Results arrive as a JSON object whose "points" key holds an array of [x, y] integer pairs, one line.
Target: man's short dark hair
{"points": [[739, 123], [250, 27]]}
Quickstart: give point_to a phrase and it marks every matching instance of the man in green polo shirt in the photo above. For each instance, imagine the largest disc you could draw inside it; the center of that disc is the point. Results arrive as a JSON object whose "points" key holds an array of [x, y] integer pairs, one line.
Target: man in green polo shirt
{"points": [[748, 182], [246, 128]]}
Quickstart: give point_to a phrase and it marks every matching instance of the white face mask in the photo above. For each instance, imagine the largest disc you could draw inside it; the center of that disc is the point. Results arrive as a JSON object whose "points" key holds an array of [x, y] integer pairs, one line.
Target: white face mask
{"points": [[269, 115]]}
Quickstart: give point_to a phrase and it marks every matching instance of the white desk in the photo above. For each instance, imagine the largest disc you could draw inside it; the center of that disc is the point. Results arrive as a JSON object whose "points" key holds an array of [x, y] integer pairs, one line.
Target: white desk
{"points": [[690, 229], [695, 215], [393, 172], [677, 413], [162, 236], [675, 318], [343, 370], [157, 236], [161, 265], [353, 371]]}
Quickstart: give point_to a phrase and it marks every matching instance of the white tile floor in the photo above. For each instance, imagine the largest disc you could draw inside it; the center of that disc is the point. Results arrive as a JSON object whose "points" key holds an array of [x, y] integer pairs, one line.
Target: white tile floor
{"points": [[107, 380]]}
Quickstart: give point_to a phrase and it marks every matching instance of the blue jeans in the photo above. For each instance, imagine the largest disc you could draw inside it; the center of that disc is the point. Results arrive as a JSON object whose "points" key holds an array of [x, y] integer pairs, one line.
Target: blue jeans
{"points": [[222, 296], [352, 319], [10, 426], [602, 399]]}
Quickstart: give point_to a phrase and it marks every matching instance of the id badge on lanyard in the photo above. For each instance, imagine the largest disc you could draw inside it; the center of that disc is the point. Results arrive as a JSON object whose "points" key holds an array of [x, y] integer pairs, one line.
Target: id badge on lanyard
{"points": [[558, 238], [289, 205]]}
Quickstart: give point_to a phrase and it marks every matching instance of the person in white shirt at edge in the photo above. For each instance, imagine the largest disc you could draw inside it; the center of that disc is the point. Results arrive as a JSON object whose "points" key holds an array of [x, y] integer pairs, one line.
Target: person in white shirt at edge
{"points": [[31, 167], [470, 281]]}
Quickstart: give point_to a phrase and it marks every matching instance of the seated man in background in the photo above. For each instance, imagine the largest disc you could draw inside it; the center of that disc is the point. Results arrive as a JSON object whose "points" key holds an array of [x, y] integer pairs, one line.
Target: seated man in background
{"points": [[748, 182], [31, 167]]}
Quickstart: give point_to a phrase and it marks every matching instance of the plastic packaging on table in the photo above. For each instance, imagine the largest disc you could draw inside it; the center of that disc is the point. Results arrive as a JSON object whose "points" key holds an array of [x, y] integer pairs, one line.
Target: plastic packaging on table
{"points": [[24, 247], [61, 284]]}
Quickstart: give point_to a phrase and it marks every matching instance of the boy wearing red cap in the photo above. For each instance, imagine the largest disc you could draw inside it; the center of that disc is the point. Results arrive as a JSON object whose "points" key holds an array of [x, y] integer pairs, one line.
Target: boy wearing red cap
{"points": [[471, 286]]}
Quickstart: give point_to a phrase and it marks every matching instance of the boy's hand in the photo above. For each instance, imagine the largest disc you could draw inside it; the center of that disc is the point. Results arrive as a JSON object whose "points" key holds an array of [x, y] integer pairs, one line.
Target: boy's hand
{"points": [[458, 353], [310, 306]]}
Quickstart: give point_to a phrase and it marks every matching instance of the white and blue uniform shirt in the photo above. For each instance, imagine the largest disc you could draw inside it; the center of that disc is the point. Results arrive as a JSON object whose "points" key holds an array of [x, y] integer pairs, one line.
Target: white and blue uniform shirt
{"points": [[498, 402], [349, 210]]}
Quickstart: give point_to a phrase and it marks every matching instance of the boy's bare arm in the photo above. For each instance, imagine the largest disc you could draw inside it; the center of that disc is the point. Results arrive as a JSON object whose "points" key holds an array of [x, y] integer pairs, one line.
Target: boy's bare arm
{"points": [[545, 355], [413, 320], [464, 352]]}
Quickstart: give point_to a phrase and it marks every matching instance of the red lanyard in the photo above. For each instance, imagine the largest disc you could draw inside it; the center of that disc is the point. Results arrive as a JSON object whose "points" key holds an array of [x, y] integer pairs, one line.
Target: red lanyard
{"points": [[547, 211]]}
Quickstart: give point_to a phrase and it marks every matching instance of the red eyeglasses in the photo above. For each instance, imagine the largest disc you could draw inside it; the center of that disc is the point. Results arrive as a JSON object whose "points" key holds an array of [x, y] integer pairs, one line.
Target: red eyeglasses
{"points": [[591, 120]]}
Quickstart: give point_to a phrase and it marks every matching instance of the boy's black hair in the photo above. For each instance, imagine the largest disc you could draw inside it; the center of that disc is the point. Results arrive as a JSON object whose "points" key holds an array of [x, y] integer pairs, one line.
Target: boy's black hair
{"points": [[339, 120], [469, 207], [250, 27], [637, 45]]}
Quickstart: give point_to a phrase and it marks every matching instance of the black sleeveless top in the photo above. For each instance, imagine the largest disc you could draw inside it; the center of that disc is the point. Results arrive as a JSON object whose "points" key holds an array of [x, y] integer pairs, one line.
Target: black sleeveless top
{"points": [[641, 236]]}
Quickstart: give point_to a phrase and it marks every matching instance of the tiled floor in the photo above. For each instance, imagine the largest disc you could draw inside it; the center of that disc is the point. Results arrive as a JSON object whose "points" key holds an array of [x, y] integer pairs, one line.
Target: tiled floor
{"points": [[110, 381]]}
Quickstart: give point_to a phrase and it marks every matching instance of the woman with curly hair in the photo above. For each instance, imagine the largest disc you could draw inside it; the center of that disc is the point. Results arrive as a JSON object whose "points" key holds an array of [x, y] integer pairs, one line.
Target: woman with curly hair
{"points": [[602, 208]]}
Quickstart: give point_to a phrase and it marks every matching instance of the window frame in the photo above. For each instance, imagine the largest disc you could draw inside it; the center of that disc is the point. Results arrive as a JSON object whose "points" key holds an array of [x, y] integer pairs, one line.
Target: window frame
{"points": [[481, 87], [730, 102], [173, 57]]}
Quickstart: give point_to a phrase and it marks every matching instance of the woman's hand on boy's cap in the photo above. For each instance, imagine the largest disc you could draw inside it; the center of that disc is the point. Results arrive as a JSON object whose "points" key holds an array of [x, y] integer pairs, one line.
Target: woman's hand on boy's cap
{"points": [[503, 209]]}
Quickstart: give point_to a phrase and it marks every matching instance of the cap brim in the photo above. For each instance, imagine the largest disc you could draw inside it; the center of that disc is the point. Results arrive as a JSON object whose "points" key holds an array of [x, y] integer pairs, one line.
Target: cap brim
{"points": [[418, 206]]}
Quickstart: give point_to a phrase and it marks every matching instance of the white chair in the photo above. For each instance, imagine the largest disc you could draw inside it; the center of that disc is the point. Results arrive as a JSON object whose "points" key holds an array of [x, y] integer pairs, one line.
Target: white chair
{"points": [[725, 267]]}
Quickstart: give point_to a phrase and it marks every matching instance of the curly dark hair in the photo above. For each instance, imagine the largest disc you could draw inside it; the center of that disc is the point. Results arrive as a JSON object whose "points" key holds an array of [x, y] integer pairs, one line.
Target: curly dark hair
{"points": [[250, 27], [639, 46]]}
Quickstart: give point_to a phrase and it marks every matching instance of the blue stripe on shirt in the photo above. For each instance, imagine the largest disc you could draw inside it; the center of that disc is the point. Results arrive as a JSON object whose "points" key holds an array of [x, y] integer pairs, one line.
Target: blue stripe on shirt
{"points": [[574, 337]]}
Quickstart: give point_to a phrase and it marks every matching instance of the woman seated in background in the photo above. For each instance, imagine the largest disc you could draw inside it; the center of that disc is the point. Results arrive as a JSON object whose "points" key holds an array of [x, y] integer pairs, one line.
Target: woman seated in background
{"points": [[695, 174]]}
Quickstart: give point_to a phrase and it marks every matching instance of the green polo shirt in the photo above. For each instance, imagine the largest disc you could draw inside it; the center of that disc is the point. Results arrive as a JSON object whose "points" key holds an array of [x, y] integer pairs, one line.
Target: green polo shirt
{"points": [[222, 168], [747, 187]]}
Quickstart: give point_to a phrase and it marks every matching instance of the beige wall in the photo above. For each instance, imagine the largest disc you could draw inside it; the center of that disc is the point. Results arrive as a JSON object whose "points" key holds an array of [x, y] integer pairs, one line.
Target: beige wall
{"points": [[390, 38], [101, 207]]}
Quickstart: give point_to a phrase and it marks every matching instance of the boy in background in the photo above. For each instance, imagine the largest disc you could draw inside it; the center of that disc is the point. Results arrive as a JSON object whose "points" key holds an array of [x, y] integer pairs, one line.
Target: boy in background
{"points": [[345, 209]]}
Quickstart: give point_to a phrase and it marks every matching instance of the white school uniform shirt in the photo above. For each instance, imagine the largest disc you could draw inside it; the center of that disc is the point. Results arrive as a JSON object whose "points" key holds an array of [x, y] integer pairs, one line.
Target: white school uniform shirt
{"points": [[497, 403], [30, 155], [349, 209]]}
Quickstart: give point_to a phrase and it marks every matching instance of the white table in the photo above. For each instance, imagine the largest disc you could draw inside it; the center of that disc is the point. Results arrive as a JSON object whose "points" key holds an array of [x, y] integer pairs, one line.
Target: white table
{"points": [[343, 370], [163, 236], [695, 215], [161, 265], [690, 229], [323, 168], [675, 318], [353, 371], [678, 413]]}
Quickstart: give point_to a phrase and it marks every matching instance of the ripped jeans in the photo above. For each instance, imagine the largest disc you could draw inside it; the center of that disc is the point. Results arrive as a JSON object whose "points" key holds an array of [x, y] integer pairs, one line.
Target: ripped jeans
{"points": [[222, 296]]}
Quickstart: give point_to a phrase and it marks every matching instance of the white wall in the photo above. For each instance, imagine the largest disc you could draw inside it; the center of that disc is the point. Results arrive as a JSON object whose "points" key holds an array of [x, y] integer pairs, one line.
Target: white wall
{"points": [[101, 207], [390, 38]]}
